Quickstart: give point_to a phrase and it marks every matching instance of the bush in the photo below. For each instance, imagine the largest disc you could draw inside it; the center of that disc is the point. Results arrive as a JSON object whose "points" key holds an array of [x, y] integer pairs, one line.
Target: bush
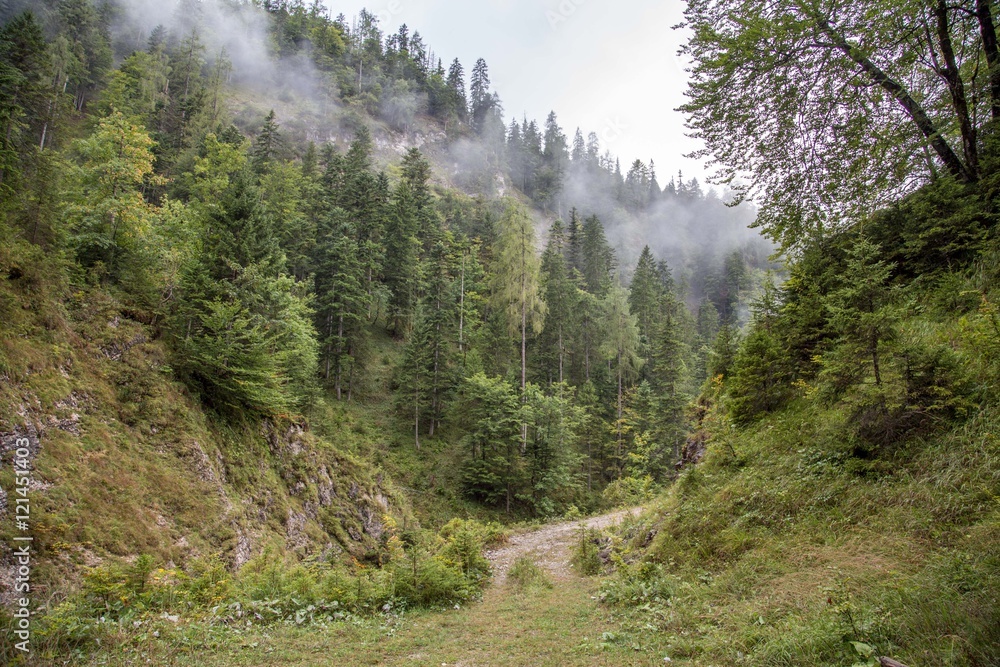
{"points": [[629, 491], [586, 556], [524, 574]]}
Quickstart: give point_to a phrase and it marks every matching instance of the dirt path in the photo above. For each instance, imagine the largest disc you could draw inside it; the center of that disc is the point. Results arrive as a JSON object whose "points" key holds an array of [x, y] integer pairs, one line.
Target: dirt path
{"points": [[561, 625], [549, 546]]}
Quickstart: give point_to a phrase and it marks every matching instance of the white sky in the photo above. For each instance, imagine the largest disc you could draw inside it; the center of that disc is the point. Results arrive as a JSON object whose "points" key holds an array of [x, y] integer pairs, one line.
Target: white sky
{"points": [[607, 67]]}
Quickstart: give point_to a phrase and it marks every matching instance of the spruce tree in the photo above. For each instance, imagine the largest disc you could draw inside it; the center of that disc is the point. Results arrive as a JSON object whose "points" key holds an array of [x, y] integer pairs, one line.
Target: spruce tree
{"points": [[402, 259], [516, 292], [646, 294], [597, 258], [342, 302], [559, 292], [456, 85], [621, 349]]}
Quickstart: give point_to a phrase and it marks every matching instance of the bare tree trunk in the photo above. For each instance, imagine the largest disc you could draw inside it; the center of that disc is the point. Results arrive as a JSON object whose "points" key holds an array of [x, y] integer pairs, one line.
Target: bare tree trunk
{"points": [[329, 345], [434, 381], [524, 342], [875, 361], [461, 311], [561, 353], [340, 355], [989, 35], [416, 417], [620, 412], [956, 87]]}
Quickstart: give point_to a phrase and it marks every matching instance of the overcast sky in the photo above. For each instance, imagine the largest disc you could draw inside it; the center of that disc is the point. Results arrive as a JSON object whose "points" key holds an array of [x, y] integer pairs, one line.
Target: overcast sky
{"points": [[607, 67]]}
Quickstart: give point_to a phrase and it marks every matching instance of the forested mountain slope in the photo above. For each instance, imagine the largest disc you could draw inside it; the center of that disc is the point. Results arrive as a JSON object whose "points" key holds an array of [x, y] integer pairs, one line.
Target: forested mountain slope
{"points": [[293, 321], [259, 263]]}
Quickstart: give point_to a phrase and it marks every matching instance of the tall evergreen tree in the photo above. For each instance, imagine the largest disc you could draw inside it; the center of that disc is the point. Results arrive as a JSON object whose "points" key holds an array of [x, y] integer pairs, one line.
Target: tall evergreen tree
{"points": [[481, 101], [598, 259], [621, 349], [456, 85], [559, 292], [516, 269], [646, 295]]}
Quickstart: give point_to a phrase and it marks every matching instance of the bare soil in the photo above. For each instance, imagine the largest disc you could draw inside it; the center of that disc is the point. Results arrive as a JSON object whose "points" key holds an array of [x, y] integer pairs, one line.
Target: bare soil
{"points": [[549, 546]]}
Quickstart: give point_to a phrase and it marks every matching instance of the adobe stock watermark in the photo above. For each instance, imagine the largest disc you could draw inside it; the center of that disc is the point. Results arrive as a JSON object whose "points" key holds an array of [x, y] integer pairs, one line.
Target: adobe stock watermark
{"points": [[563, 12], [390, 11], [612, 130], [22, 545]]}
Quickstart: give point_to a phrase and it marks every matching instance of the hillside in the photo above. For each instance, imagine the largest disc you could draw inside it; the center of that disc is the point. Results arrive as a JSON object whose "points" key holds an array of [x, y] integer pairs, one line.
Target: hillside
{"points": [[308, 350]]}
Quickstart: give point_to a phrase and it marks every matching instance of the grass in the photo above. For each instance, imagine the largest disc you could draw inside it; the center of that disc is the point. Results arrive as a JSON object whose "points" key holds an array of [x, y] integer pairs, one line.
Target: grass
{"points": [[788, 548], [558, 626], [525, 575]]}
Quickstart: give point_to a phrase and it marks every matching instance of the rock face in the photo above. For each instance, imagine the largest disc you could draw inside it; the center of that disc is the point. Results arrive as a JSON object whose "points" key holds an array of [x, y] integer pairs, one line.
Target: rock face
{"points": [[126, 462]]}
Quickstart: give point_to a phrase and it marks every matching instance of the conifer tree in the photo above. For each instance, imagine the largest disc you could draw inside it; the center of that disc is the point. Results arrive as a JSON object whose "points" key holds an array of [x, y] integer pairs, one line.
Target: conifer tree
{"points": [[516, 290], [621, 349], [646, 295], [342, 302], [24, 60], [456, 85], [402, 259], [597, 258], [480, 100], [559, 292], [267, 144], [862, 310]]}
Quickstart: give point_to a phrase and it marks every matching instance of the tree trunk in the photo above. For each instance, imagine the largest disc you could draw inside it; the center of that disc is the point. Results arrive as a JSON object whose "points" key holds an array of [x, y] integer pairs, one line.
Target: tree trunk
{"points": [[620, 412], [875, 361], [461, 311], [989, 35], [329, 346], [524, 342], [434, 382], [956, 87], [561, 353], [416, 416], [340, 354], [913, 109]]}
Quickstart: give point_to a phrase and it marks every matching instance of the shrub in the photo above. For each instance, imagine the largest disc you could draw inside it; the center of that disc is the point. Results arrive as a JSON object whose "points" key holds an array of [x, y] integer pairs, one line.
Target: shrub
{"points": [[524, 574], [629, 491], [586, 557]]}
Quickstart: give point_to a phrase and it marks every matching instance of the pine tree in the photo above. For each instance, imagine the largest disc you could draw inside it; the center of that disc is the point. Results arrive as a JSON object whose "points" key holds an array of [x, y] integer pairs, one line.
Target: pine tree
{"points": [[559, 292], [456, 85], [621, 349], [480, 100], [342, 302], [267, 144], [862, 310], [402, 259], [574, 244], [441, 310], [416, 174], [495, 414], [598, 260], [244, 336], [24, 60], [646, 294], [579, 154], [516, 291], [415, 377], [669, 375]]}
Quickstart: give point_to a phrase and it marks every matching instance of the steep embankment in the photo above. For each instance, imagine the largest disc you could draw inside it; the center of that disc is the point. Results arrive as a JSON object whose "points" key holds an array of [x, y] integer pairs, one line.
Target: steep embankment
{"points": [[125, 462], [787, 547]]}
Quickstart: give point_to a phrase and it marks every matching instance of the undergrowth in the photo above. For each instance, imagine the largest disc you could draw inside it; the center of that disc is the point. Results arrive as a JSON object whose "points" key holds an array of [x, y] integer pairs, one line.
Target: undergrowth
{"points": [[120, 602]]}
